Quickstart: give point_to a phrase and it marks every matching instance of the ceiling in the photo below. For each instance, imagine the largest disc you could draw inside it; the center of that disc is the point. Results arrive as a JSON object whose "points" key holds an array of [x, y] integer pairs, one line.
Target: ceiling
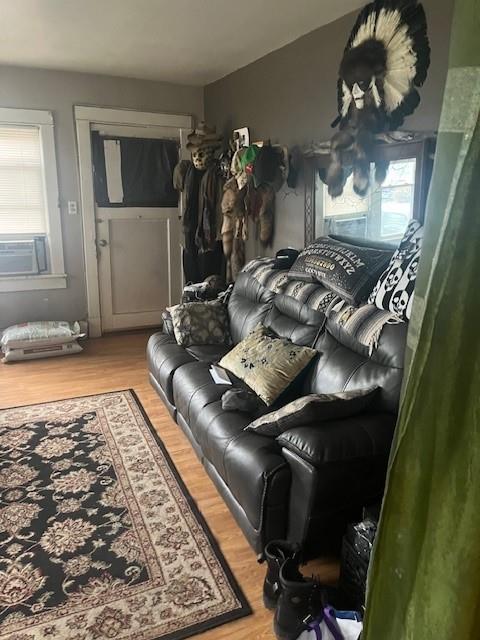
{"points": [[182, 41]]}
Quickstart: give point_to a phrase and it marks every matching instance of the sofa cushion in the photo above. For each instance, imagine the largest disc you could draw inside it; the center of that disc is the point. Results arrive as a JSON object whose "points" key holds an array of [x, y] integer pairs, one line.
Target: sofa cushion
{"points": [[364, 436], [265, 271], [164, 357], [193, 389], [266, 363], [313, 409], [251, 466], [297, 322], [199, 323], [348, 270], [363, 324], [208, 352], [248, 305], [344, 364], [312, 294]]}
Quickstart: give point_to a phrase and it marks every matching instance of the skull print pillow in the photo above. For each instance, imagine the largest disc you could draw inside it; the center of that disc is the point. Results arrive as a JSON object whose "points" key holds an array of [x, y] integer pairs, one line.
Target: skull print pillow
{"points": [[395, 287]]}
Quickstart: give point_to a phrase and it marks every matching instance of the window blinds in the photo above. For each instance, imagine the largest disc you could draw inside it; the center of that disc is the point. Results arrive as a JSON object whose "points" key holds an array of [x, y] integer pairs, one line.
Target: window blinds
{"points": [[22, 191]]}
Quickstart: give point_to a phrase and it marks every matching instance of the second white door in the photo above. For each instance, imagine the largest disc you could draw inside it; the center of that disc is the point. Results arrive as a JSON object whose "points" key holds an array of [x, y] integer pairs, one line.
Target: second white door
{"points": [[139, 255], [138, 265]]}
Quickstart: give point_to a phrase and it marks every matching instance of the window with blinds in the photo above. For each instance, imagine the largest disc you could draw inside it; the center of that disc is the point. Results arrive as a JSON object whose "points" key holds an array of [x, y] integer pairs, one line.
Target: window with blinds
{"points": [[22, 189]]}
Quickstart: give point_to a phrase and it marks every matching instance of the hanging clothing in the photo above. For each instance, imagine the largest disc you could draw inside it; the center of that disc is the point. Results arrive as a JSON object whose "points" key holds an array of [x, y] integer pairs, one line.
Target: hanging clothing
{"points": [[209, 209], [202, 254], [260, 206], [191, 191], [234, 230]]}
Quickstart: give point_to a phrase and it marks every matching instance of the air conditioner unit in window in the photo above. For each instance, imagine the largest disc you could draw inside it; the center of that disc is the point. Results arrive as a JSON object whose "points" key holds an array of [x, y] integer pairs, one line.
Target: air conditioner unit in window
{"points": [[22, 257]]}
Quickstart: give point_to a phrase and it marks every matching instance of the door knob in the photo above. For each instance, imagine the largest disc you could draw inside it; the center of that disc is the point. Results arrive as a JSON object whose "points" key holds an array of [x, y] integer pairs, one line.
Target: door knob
{"points": [[102, 243]]}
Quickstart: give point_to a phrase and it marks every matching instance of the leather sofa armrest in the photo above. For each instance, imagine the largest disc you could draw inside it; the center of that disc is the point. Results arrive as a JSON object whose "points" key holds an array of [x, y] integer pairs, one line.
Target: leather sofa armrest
{"points": [[362, 436], [336, 468]]}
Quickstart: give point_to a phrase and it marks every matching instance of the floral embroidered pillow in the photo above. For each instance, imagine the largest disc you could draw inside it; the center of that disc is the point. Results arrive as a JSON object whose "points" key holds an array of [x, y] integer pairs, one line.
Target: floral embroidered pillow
{"points": [[266, 363]]}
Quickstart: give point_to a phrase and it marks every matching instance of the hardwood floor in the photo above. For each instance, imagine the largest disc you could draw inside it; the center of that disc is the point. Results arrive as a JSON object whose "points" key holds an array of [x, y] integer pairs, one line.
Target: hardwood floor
{"points": [[118, 362]]}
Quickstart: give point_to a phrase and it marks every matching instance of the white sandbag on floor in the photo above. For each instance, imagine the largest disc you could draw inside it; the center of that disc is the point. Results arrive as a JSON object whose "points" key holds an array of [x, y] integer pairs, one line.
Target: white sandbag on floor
{"points": [[34, 352], [39, 334], [44, 339]]}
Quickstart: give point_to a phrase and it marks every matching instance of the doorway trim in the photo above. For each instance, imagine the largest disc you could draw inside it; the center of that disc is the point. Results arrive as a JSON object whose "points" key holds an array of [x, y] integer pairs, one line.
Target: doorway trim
{"points": [[84, 118]]}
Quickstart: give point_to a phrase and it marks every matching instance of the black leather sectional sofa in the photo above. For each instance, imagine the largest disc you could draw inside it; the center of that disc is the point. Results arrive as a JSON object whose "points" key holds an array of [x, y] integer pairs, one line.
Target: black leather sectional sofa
{"points": [[308, 483]]}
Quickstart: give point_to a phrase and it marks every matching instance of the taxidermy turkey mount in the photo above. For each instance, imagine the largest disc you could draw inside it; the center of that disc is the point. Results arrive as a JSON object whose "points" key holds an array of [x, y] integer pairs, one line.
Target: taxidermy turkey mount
{"points": [[387, 56]]}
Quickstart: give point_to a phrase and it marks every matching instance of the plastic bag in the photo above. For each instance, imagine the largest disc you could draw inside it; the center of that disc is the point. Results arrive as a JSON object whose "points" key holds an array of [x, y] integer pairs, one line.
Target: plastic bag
{"points": [[356, 550], [334, 625]]}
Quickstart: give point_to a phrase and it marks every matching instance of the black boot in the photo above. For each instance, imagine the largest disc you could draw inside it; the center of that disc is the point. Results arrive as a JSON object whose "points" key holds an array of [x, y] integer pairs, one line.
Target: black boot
{"points": [[276, 552], [301, 601]]}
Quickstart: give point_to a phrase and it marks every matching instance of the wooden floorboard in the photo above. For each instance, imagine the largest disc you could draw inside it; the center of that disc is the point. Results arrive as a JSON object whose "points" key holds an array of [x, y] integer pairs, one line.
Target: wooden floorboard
{"points": [[117, 362]]}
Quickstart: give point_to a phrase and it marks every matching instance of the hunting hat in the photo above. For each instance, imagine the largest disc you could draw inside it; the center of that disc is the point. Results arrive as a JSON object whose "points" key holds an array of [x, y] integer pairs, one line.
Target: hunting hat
{"points": [[204, 136]]}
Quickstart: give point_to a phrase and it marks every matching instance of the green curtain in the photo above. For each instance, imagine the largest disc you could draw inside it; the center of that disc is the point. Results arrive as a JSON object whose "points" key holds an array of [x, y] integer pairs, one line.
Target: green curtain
{"points": [[424, 580]]}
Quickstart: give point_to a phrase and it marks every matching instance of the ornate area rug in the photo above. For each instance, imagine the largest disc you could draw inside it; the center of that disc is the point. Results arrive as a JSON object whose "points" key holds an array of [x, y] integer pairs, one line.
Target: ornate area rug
{"points": [[99, 537]]}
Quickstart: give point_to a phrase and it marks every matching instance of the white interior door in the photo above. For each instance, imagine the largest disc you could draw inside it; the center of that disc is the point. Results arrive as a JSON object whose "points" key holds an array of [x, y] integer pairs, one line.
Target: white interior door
{"points": [[139, 257], [138, 265]]}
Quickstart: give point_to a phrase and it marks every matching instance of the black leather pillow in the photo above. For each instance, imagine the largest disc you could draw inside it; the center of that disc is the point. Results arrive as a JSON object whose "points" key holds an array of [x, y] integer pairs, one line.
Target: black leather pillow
{"points": [[313, 409], [346, 269]]}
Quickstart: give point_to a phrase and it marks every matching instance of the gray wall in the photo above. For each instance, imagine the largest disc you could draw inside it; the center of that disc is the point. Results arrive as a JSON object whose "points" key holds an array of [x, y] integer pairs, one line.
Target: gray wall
{"points": [[289, 96], [58, 91]]}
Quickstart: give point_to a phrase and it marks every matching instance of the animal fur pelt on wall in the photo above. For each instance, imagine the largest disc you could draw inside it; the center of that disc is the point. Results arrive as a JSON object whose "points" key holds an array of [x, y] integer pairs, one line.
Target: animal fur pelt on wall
{"points": [[387, 56]]}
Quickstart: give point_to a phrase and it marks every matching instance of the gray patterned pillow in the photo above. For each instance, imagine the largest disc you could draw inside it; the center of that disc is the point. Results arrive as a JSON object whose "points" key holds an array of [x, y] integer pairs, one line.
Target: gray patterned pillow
{"points": [[197, 323], [313, 409]]}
